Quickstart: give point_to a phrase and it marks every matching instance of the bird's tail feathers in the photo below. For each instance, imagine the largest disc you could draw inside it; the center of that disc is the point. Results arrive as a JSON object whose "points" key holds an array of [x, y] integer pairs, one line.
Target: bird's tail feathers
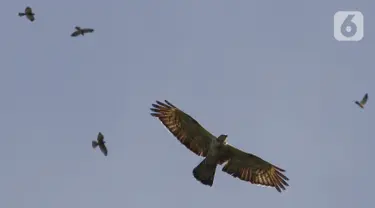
{"points": [[205, 172], [94, 144], [21, 14]]}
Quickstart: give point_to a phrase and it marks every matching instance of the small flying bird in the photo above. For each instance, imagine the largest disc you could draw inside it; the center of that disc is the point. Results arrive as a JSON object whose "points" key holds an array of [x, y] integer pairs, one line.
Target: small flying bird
{"points": [[101, 143], [81, 31], [29, 14], [363, 101], [216, 151]]}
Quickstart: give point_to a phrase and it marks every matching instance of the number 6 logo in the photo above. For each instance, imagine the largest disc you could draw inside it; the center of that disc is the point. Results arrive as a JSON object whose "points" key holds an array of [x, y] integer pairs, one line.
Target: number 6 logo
{"points": [[348, 26]]}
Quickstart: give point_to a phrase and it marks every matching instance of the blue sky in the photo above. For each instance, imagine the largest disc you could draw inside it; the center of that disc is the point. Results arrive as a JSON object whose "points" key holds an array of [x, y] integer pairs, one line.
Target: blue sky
{"points": [[268, 74]]}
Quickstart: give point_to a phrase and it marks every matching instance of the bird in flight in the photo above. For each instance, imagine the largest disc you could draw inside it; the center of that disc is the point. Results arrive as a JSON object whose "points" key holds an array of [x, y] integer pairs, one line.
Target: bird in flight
{"points": [[363, 101], [81, 31], [101, 143], [217, 151], [29, 14]]}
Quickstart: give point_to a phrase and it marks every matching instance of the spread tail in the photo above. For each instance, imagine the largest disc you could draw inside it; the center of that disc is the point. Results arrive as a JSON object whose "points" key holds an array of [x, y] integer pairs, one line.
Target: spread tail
{"points": [[205, 172], [94, 144], [21, 14]]}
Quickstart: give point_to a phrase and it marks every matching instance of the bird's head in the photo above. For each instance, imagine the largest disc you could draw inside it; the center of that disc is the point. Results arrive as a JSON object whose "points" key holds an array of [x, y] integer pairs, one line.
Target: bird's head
{"points": [[222, 138]]}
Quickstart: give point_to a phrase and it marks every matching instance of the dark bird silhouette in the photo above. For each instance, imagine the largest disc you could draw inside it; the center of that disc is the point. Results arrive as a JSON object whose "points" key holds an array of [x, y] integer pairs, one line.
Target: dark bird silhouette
{"points": [[217, 151], [101, 143], [81, 31], [363, 101], [29, 14]]}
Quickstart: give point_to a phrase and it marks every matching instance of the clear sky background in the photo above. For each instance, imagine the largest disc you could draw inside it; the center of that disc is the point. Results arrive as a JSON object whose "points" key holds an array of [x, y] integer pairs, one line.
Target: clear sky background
{"points": [[268, 74]]}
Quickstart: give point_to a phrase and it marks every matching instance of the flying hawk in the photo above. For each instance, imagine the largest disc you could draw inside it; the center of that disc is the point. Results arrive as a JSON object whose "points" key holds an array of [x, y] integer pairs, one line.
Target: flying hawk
{"points": [[81, 31], [101, 143], [29, 14], [217, 151], [363, 101]]}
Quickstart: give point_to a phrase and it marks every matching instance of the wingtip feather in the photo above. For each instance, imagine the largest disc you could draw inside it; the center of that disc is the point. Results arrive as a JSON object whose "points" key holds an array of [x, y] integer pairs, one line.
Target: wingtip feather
{"points": [[169, 103], [154, 114], [155, 109]]}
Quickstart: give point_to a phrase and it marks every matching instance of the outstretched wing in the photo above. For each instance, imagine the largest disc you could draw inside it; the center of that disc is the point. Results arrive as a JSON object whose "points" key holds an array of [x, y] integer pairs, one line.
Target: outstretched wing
{"points": [[185, 128], [75, 33], [29, 14], [28, 10], [253, 169], [364, 99], [100, 137], [87, 30], [30, 17], [103, 148]]}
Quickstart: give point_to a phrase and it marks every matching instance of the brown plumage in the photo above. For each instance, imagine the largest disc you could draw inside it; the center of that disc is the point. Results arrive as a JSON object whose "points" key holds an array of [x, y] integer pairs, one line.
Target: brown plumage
{"points": [[28, 13], [253, 169], [81, 31], [101, 143], [363, 101], [216, 151]]}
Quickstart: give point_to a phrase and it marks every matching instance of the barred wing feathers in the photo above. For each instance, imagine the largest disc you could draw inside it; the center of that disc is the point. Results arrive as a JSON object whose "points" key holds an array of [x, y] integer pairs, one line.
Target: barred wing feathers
{"points": [[185, 128], [253, 169]]}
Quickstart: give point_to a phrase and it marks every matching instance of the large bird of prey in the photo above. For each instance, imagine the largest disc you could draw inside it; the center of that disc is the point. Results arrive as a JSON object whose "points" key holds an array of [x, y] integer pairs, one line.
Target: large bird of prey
{"points": [[81, 31], [101, 143], [363, 101], [217, 151], [29, 14]]}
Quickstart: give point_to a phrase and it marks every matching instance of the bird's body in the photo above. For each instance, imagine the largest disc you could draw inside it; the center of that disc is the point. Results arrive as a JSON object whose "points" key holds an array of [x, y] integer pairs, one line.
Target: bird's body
{"points": [[359, 104], [101, 143], [217, 151], [363, 101], [81, 31], [28, 13], [205, 171]]}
